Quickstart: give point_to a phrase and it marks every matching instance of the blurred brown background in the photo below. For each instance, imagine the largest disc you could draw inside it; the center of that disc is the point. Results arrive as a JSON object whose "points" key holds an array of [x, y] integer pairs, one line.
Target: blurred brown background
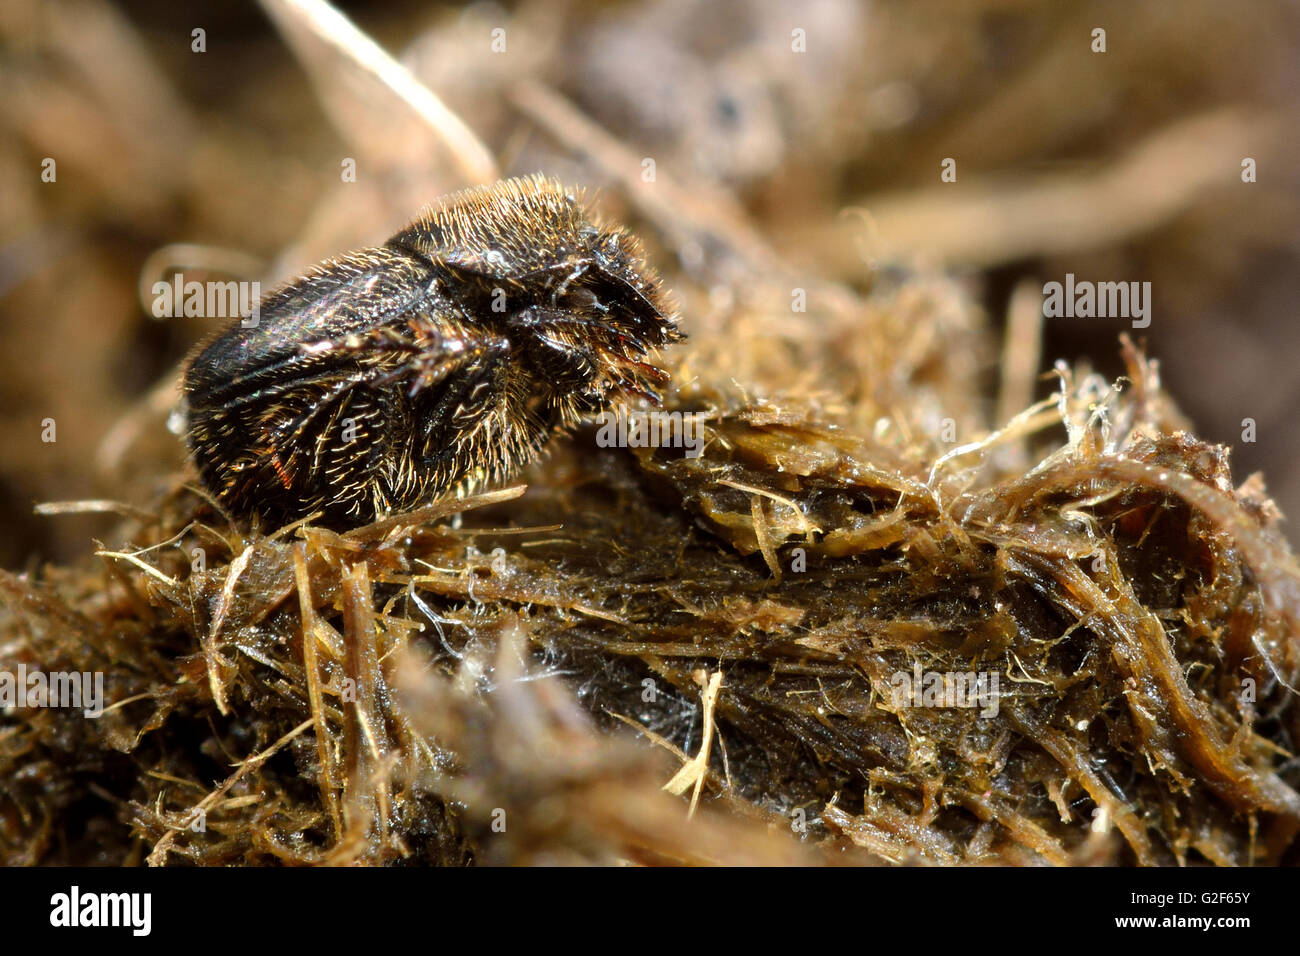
{"points": [[1122, 165]]}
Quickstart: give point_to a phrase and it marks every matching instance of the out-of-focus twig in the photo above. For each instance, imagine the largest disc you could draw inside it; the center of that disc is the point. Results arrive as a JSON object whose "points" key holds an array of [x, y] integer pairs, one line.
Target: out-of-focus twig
{"points": [[1022, 347], [351, 70], [982, 222]]}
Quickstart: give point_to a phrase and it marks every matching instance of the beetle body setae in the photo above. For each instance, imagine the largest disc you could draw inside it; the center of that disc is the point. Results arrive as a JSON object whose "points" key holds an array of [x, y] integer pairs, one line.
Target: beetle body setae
{"points": [[439, 362]]}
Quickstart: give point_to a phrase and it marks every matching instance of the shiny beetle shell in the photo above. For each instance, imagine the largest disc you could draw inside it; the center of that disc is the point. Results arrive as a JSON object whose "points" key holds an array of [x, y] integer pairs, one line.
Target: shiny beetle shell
{"points": [[436, 363]]}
